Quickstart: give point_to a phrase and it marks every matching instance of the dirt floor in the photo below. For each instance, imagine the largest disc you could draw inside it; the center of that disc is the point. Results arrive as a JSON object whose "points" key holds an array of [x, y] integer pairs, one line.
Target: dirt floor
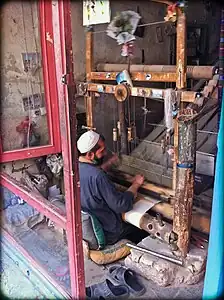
{"points": [[23, 288], [95, 274]]}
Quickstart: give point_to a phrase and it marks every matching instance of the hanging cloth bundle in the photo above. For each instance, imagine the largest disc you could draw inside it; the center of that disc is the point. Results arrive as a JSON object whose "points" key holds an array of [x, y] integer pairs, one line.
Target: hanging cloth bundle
{"points": [[122, 28]]}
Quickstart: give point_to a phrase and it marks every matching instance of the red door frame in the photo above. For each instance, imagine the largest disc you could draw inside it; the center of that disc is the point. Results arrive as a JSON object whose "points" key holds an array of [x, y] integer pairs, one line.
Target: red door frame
{"points": [[67, 109], [50, 89], [61, 57]]}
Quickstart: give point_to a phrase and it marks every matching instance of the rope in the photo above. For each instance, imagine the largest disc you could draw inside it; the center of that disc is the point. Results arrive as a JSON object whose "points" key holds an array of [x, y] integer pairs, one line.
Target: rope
{"points": [[36, 47], [141, 25], [27, 76]]}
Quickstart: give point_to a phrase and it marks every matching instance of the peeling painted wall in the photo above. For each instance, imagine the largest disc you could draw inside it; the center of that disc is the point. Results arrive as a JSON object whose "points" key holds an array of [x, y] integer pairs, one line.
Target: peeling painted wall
{"points": [[15, 82]]}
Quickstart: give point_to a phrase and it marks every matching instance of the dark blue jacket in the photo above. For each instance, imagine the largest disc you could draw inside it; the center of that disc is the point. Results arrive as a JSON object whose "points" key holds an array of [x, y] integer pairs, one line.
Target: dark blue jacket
{"points": [[100, 197]]}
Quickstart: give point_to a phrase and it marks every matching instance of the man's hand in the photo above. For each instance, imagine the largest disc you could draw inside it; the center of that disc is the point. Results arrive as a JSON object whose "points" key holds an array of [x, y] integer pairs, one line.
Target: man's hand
{"points": [[114, 159], [138, 179]]}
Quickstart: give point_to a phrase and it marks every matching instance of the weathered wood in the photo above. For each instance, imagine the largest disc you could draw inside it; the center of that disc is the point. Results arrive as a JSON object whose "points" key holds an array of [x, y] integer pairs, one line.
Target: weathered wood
{"points": [[89, 54], [199, 222], [194, 72], [137, 76], [186, 96], [181, 83], [89, 99], [181, 59], [185, 179]]}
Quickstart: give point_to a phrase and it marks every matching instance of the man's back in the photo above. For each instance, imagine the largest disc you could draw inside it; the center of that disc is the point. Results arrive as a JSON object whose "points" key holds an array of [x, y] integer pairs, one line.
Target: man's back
{"points": [[100, 198]]}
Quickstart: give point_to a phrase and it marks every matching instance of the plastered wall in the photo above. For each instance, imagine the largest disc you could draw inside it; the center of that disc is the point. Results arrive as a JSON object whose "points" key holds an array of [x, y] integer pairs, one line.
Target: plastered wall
{"points": [[19, 34]]}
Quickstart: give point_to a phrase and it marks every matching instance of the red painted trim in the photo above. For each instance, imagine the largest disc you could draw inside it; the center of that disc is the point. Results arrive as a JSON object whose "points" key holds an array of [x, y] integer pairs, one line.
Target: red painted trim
{"points": [[50, 88], [34, 263], [49, 71], [67, 109], [35, 199], [27, 153]]}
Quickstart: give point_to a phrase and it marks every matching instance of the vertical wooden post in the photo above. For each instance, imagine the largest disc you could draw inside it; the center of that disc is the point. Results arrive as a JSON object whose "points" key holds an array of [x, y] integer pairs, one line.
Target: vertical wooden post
{"points": [[184, 149], [181, 68], [185, 179], [89, 100]]}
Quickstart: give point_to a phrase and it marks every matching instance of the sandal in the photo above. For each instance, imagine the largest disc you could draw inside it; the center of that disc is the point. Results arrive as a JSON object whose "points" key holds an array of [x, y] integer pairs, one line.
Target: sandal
{"points": [[105, 290], [127, 277]]}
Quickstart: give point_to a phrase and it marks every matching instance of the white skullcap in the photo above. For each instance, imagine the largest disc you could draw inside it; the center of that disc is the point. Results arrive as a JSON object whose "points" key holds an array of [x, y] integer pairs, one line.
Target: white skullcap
{"points": [[87, 141]]}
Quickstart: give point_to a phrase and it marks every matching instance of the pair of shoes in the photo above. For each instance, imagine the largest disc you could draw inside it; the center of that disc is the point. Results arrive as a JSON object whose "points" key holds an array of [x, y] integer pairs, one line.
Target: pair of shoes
{"points": [[106, 290], [120, 283]]}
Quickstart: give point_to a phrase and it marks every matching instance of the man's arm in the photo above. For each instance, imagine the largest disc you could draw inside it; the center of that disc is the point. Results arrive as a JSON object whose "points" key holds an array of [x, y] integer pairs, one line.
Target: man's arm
{"points": [[108, 164], [119, 202]]}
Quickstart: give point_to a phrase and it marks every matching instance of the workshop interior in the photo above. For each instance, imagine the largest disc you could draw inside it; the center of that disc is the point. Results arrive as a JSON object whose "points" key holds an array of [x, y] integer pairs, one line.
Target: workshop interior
{"points": [[148, 76]]}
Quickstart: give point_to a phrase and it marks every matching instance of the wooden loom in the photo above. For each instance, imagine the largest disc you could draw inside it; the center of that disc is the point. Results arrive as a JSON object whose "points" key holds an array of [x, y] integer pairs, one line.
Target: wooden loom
{"points": [[182, 192]]}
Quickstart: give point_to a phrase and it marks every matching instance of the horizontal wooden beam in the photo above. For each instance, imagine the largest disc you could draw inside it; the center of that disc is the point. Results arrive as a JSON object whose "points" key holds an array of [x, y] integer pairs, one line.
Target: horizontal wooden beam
{"points": [[200, 222], [186, 96], [35, 199], [137, 76], [193, 72]]}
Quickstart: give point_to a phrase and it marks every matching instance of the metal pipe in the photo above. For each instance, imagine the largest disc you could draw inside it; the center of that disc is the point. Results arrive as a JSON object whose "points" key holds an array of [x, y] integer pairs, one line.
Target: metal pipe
{"points": [[166, 2], [204, 153], [156, 254], [208, 132], [88, 128], [201, 131], [123, 128], [192, 72], [156, 125]]}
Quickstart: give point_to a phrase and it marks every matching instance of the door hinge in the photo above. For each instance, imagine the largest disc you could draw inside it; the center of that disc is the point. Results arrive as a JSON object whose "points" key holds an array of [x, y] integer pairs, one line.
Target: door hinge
{"points": [[64, 79]]}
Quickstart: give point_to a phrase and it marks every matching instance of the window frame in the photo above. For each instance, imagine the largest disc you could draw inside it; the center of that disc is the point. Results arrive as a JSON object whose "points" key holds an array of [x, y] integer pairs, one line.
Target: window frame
{"points": [[50, 91]]}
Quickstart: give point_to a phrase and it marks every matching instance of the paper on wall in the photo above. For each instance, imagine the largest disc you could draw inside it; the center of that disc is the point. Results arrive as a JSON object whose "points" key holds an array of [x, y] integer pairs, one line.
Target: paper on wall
{"points": [[139, 209], [96, 12]]}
